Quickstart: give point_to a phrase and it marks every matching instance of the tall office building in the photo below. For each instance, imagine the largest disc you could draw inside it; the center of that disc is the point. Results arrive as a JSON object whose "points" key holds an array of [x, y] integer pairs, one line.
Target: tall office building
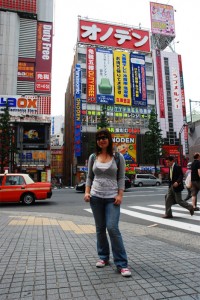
{"points": [[118, 73], [25, 80]]}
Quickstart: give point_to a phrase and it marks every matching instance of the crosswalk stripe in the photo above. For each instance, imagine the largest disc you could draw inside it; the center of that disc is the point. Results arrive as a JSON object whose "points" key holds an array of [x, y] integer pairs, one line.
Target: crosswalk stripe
{"points": [[174, 207], [158, 211], [142, 195], [159, 220]]}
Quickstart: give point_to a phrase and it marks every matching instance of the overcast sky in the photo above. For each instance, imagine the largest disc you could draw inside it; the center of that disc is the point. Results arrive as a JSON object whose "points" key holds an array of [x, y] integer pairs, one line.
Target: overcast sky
{"points": [[130, 12]]}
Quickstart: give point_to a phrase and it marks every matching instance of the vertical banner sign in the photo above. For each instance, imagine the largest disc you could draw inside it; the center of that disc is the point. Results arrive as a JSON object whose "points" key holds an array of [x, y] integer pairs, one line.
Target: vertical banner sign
{"points": [[122, 78], [77, 110], [183, 103], [160, 85], [104, 75], [138, 80], [91, 75], [175, 83], [182, 86], [43, 58]]}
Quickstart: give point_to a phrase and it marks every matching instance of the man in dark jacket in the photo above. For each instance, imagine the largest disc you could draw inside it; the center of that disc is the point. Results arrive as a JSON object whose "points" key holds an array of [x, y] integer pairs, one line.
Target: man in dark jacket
{"points": [[174, 195], [195, 179]]}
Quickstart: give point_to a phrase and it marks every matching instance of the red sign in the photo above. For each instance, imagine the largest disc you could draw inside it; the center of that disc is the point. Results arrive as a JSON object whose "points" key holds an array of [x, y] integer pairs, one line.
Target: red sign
{"points": [[43, 76], [91, 75], [43, 87], [43, 57], [114, 36], [28, 6], [26, 71], [160, 85]]}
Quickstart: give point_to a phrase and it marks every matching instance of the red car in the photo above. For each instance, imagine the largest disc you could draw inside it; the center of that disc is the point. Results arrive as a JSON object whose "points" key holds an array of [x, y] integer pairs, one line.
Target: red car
{"points": [[21, 188]]}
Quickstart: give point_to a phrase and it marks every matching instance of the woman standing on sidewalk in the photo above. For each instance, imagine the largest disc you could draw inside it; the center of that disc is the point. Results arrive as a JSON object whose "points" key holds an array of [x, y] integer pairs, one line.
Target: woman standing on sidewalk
{"points": [[104, 191]]}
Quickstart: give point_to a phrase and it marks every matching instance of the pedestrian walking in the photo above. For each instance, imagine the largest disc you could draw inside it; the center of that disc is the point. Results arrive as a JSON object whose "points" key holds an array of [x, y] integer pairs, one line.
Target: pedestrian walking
{"points": [[188, 173], [195, 178], [174, 195], [104, 190]]}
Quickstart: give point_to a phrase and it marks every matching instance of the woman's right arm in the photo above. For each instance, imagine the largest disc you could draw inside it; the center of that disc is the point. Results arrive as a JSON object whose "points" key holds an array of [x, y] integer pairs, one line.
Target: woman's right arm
{"points": [[89, 180]]}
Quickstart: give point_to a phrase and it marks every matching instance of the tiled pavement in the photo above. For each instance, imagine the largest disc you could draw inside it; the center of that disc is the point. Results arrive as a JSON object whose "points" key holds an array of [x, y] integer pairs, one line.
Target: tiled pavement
{"points": [[53, 257]]}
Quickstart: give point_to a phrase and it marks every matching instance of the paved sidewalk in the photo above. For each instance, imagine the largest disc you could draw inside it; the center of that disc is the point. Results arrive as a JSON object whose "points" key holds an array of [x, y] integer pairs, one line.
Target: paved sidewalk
{"points": [[46, 256]]}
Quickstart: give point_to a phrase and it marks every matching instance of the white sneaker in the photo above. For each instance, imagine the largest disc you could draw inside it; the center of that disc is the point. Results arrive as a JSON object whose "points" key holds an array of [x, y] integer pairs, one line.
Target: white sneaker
{"points": [[125, 272], [101, 263]]}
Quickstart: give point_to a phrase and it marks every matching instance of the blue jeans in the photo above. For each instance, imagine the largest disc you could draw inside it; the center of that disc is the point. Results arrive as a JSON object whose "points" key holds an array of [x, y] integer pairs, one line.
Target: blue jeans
{"points": [[106, 216]]}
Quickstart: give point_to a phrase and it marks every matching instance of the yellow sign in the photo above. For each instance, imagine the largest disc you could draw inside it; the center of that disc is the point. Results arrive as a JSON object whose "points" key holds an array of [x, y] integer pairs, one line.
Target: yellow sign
{"points": [[122, 78]]}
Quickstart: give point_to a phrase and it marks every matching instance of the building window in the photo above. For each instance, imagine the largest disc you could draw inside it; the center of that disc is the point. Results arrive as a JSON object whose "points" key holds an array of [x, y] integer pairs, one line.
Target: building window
{"points": [[81, 58], [84, 90]]}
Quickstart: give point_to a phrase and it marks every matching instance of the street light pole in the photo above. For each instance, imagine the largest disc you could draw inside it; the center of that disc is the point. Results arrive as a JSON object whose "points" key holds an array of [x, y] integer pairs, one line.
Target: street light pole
{"points": [[180, 144]]}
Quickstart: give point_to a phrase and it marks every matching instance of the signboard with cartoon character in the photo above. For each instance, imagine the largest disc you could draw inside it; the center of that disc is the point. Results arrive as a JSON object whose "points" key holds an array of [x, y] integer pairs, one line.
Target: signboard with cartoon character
{"points": [[126, 145]]}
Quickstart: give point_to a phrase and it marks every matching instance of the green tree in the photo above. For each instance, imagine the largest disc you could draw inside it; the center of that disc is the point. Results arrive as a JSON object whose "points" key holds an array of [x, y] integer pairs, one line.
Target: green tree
{"points": [[103, 119], [153, 141], [7, 140]]}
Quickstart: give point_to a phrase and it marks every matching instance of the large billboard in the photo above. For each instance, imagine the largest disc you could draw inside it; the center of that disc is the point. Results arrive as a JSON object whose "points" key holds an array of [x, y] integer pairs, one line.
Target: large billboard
{"points": [[28, 6], [162, 19], [138, 76], [22, 106], [104, 75], [126, 145], [43, 58], [91, 74], [122, 78], [116, 36]]}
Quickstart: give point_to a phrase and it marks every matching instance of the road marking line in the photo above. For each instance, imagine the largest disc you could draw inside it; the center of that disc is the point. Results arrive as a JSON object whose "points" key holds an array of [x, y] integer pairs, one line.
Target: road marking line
{"points": [[143, 195], [168, 222], [162, 212]]}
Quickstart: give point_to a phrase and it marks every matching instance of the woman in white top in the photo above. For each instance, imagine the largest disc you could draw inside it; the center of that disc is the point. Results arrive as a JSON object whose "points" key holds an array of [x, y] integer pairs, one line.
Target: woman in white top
{"points": [[104, 190]]}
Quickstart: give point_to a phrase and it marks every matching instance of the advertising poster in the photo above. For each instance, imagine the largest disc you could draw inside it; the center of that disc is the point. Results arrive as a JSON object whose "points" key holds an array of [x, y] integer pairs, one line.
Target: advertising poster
{"points": [[122, 78], [162, 19], [126, 145], [77, 110], [104, 75], [26, 71], [138, 80], [91, 75], [43, 57]]}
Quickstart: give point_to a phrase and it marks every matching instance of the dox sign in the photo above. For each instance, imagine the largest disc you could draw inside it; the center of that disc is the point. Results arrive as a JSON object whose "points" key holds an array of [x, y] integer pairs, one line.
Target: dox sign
{"points": [[19, 104]]}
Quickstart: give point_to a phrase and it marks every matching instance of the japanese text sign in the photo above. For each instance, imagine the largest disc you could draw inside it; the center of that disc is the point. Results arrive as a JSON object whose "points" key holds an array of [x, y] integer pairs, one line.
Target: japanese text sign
{"points": [[114, 36], [122, 78], [104, 75], [91, 75], [138, 75]]}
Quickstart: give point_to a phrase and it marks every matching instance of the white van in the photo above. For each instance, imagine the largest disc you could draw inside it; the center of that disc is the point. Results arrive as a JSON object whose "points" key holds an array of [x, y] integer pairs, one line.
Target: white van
{"points": [[146, 179]]}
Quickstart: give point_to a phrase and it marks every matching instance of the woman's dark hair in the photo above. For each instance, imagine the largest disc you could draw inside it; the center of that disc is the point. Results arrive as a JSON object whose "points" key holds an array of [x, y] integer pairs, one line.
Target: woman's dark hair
{"points": [[106, 132]]}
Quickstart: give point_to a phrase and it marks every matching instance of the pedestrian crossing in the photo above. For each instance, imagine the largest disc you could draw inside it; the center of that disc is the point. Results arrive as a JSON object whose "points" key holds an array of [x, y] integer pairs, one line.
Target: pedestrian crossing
{"points": [[153, 213]]}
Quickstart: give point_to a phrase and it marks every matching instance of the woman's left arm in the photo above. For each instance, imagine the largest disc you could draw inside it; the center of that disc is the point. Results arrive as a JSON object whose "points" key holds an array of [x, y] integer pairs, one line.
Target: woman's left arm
{"points": [[120, 180]]}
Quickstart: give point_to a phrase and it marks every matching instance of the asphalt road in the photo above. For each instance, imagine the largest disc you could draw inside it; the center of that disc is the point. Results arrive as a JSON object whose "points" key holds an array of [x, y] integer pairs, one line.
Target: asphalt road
{"points": [[137, 207]]}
